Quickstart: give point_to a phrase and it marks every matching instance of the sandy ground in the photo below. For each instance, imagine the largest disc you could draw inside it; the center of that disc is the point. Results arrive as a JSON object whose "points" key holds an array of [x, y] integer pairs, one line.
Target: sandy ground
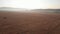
{"points": [[29, 23]]}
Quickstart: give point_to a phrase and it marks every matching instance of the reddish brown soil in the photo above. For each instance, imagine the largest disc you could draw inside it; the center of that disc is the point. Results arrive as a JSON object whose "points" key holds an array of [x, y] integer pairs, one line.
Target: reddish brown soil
{"points": [[29, 23]]}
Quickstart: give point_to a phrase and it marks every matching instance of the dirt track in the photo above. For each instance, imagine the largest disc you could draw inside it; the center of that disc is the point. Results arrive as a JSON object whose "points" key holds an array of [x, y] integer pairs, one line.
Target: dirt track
{"points": [[29, 23]]}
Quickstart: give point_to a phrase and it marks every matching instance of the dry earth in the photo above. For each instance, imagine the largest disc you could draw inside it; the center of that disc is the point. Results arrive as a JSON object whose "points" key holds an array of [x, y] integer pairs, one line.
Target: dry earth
{"points": [[29, 23]]}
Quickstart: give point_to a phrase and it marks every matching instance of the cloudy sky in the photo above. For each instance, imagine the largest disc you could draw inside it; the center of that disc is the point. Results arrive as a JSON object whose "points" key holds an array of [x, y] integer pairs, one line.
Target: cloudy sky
{"points": [[31, 4]]}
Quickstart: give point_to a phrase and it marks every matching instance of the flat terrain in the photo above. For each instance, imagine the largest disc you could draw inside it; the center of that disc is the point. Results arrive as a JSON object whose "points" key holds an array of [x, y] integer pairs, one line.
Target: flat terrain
{"points": [[29, 23]]}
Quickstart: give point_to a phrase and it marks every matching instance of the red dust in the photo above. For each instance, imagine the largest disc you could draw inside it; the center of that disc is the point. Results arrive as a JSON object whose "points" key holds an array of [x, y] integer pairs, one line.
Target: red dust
{"points": [[29, 23]]}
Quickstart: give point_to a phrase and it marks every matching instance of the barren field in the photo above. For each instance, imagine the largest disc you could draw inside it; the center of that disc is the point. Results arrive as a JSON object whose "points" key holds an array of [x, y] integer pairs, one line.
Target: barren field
{"points": [[29, 23]]}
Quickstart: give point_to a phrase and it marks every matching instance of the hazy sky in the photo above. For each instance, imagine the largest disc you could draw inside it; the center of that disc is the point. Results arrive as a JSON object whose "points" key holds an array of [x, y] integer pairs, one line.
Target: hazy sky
{"points": [[30, 4]]}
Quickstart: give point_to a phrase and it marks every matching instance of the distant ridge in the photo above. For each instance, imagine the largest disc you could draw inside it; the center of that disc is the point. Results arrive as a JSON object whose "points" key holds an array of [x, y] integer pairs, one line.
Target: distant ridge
{"points": [[12, 9], [47, 10]]}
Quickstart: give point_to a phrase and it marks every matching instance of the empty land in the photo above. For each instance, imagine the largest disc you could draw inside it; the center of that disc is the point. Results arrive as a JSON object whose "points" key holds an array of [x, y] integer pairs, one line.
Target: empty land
{"points": [[29, 23]]}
